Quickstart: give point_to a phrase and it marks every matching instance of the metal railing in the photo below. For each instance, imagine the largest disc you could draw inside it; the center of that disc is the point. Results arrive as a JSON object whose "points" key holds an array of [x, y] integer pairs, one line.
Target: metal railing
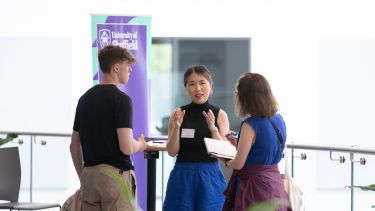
{"points": [[291, 146], [33, 140], [351, 150]]}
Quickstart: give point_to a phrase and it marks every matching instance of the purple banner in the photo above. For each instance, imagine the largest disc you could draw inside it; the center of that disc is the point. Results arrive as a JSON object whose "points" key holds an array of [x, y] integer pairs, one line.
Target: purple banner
{"points": [[134, 38]]}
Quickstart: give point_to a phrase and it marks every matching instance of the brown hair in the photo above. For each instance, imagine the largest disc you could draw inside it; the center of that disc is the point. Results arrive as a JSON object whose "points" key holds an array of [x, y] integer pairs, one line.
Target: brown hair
{"points": [[198, 69], [254, 96], [110, 55]]}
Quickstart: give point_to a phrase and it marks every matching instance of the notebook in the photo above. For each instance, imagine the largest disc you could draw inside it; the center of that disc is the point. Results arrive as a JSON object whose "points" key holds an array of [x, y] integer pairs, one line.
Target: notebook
{"points": [[220, 149], [160, 141]]}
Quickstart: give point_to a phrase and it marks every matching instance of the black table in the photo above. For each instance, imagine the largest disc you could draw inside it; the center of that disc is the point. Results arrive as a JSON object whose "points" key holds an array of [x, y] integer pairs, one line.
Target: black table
{"points": [[151, 155]]}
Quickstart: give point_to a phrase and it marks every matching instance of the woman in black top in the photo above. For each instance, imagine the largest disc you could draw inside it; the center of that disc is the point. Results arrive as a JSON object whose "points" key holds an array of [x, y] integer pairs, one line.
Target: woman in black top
{"points": [[196, 181]]}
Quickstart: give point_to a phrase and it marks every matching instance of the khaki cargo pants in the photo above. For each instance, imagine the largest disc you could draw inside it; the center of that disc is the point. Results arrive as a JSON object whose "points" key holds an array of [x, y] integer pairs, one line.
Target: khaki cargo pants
{"points": [[106, 188]]}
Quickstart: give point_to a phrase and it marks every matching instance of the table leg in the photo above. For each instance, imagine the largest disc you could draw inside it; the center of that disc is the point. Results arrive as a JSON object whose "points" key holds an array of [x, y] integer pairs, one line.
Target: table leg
{"points": [[151, 157]]}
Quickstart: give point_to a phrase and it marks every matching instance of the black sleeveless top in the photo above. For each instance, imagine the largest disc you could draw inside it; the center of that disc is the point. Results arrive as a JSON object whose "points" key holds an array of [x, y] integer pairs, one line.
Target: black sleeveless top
{"points": [[193, 149]]}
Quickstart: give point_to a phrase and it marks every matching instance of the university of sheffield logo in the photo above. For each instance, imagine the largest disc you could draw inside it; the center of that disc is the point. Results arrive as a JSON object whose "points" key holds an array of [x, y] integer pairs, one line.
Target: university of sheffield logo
{"points": [[104, 37]]}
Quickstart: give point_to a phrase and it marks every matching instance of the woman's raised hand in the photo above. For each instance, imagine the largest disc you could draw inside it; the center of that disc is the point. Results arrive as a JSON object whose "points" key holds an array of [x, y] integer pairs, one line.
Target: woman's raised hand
{"points": [[210, 119], [178, 117]]}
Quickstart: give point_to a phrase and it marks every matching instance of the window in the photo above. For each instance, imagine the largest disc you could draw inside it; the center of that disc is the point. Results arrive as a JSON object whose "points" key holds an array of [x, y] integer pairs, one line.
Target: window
{"points": [[227, 59]]}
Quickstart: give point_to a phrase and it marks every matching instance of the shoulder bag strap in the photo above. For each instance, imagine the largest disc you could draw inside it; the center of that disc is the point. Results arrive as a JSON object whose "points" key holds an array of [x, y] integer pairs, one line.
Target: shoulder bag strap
{"points": [[282, 142], [279, 135]]}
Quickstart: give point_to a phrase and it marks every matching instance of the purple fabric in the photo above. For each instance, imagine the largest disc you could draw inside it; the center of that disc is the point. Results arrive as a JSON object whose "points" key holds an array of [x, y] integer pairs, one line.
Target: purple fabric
{"points": [[119, 19], [255, 184]]}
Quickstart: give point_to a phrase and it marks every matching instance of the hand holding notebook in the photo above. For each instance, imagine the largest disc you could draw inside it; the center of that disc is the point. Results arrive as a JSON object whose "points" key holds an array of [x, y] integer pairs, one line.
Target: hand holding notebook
{"points": [[220, 149]]}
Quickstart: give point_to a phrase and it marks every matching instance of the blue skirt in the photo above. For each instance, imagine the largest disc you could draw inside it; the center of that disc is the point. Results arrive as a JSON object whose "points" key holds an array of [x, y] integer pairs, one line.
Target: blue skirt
{"points": [[195, 187]]}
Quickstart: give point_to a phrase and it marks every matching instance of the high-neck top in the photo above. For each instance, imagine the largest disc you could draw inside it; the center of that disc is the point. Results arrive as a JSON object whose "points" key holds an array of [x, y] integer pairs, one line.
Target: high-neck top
{"points": [[192, 149], [204, 106]]}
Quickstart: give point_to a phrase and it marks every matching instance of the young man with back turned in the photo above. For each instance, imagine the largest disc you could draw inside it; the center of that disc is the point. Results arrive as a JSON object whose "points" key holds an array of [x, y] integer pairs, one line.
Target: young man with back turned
{"points": [[102, 139]]}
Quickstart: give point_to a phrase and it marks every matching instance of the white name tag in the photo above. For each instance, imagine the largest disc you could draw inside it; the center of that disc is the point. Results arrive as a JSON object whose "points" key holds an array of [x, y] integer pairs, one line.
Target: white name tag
{"points": [[187, 133]]}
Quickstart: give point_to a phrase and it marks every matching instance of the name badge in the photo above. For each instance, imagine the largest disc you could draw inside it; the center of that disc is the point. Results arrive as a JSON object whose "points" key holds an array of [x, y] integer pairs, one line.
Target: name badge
{"points": [[187, 133]]}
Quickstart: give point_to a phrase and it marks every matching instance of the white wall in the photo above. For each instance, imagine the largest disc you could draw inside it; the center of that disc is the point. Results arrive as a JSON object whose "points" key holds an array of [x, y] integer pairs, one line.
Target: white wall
{"points": [[35, 84], [285, 38]]}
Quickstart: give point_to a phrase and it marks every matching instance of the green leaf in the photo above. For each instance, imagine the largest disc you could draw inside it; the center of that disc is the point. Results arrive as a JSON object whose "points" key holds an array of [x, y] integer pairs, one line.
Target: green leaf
{"points": [[268, 205], [9, 137], [364, 188], [124, 188], [12, 136]]}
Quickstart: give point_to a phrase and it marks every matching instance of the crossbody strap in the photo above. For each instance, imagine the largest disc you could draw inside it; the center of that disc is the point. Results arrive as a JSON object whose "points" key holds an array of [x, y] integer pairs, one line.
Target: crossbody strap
{"points": [[282, 142], [278, 132]]}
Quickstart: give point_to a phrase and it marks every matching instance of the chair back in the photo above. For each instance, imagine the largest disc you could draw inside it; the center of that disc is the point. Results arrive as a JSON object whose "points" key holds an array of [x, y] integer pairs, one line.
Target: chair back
{"points": [[10, 174]]}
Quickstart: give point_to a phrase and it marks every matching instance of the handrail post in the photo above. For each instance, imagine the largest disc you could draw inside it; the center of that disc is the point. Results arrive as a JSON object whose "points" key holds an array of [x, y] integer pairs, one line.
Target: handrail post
{"points": [[292, 164], [352, 182], [31, 167]]}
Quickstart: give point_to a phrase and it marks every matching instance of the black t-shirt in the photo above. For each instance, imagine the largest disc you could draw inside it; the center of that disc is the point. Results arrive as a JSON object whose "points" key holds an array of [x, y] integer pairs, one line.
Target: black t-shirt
{"points": [[193, 149], [100, 111]]}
